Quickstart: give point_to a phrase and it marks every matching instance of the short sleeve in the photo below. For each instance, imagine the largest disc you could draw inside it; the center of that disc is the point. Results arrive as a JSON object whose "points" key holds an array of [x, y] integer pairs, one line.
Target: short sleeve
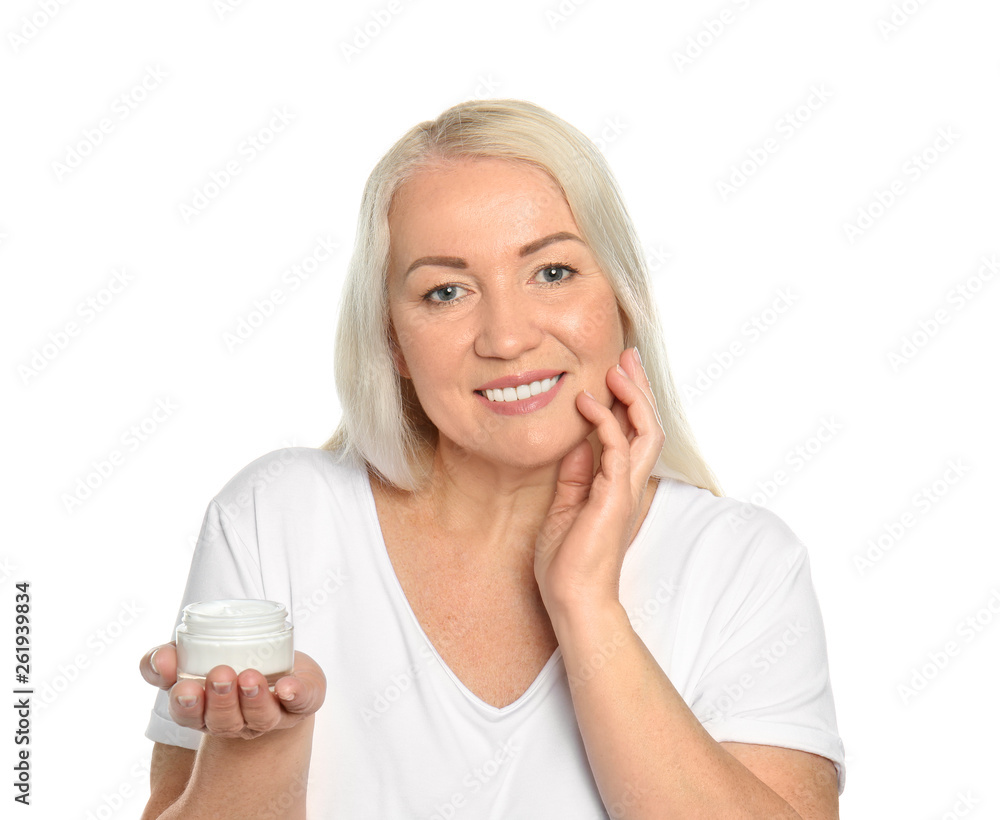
{"points": [[222, 567], [766, 679]]}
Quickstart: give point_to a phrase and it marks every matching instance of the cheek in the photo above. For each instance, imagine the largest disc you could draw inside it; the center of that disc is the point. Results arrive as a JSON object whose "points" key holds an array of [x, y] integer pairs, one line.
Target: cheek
{"points": [[595, 326], [430, 353]]}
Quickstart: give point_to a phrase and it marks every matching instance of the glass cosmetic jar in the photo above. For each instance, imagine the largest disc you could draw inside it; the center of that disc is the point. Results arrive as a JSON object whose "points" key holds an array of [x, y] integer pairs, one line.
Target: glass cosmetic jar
{"points": [[241, 633]]}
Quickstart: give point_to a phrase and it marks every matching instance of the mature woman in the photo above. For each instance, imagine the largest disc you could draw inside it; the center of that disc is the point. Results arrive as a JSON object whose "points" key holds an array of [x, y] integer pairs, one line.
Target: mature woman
{"points": [[517, 590]]}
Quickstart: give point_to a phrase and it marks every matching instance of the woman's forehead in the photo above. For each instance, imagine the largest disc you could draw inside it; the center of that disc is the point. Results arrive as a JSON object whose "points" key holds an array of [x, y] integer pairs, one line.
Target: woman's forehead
{"points": [[494, 201], [469, 181]]}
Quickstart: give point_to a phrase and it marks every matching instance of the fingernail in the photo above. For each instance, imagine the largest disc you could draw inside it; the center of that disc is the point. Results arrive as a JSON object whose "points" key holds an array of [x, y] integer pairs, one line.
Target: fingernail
{"points": [[152, 661], [222, 688], [285, 695], [187, 701], [619, 368], [249, 691], [637, 354], [588, 393]]}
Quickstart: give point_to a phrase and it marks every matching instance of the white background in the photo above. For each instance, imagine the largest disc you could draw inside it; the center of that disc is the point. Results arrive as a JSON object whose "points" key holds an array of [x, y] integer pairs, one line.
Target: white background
{"points": [[107, 571]]}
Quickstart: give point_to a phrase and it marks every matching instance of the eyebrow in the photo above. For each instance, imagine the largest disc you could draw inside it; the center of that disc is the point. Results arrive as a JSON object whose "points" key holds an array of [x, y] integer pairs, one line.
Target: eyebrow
{"points": [[527, 250]]}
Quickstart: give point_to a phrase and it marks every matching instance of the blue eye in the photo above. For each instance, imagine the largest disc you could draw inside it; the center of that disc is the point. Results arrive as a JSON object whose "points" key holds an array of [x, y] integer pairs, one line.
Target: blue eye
{"points": [[445, 293], [552, 274]]}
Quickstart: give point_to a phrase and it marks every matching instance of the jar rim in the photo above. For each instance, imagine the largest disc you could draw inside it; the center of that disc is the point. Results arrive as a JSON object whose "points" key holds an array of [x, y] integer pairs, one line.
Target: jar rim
{"points": [[239, 616]]}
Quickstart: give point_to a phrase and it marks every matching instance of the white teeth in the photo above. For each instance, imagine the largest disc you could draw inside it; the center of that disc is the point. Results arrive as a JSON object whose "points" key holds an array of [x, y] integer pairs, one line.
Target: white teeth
{"points": [[522, 391]]}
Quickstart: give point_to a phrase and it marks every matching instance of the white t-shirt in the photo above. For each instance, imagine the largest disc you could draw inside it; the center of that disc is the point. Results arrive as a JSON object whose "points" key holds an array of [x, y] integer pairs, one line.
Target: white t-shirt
{"points": [[724, 603]]}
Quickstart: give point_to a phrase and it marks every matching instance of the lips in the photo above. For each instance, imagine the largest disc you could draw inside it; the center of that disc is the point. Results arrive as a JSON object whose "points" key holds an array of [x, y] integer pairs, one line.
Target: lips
{"points": [[522, 391], [518, 379], [513, 396]]}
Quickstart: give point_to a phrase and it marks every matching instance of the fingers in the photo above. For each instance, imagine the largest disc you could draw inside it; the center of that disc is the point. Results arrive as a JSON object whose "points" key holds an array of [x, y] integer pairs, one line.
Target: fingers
{"points": [[159, 666], [636, 394], [187, 704], [227, 705], [250, 702], [638, 438], [629, 383], [576, 475], [632, 363], [304, 691], [615, 456], [231, 705]]}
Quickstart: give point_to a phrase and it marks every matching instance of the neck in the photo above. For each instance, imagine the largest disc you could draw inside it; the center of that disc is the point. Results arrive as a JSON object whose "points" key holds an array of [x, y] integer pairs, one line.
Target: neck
{"points": [[485, 515]]}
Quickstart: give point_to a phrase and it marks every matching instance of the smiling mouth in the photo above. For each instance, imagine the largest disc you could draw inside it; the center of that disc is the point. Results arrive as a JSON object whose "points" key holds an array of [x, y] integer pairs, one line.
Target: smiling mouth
{"points": [[522, 391]]}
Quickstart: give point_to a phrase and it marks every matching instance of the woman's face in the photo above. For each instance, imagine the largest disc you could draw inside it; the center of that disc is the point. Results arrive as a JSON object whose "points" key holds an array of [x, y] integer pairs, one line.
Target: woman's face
{"points": [[501, 316]]}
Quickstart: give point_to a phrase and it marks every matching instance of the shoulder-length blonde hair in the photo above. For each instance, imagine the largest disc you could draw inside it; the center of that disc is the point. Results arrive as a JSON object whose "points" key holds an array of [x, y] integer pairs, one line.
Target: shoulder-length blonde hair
{"points": [[383, 424]]}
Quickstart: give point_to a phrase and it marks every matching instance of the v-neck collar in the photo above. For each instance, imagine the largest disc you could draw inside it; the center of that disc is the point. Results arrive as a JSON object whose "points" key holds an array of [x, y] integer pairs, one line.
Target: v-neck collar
{"points": [[402, 603]]}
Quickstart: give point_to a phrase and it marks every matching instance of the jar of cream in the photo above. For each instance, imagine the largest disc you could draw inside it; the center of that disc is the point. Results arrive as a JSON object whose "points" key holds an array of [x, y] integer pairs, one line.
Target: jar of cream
{"points": [[241, 633]]}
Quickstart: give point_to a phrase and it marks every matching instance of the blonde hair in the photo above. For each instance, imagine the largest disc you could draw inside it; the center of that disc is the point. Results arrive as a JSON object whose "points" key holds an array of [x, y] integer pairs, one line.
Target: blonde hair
{"points": [[383, 424]]}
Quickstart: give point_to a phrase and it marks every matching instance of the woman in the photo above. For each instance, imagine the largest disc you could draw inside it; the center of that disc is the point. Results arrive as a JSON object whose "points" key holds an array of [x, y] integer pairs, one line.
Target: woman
{"points": [[517, 590]]}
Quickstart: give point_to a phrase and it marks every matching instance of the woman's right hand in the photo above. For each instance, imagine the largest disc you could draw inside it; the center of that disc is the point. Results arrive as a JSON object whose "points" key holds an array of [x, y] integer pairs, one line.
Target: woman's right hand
{"points": [[236, 706]]}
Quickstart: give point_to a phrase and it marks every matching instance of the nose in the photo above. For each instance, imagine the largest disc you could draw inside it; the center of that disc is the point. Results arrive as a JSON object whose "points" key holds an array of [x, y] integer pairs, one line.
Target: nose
{"points": [[508, 326]]}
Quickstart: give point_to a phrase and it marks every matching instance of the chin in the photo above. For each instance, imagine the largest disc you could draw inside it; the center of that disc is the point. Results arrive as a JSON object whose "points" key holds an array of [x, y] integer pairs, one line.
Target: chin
{"points": [[548, 450]]}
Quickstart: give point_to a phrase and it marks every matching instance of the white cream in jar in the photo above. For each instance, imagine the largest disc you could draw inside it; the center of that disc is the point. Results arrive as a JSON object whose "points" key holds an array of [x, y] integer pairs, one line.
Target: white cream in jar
{"points": [[237, 632]]}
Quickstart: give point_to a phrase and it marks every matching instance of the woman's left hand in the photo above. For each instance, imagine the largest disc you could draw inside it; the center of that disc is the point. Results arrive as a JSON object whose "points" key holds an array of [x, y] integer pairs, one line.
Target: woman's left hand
{"points": [[582, 543]]}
